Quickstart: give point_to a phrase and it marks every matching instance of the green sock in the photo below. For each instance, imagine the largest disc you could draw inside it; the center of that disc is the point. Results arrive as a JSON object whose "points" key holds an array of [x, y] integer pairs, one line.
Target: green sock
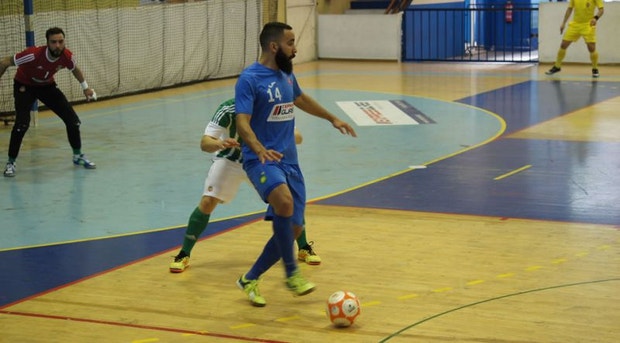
{"points": [[11, 160], [301, 240], [197, 224], [77, 151]]}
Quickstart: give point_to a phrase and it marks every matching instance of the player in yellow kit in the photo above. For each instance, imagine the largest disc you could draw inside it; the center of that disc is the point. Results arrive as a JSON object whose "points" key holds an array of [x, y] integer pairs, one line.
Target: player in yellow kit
{"points": [[583, 25]]}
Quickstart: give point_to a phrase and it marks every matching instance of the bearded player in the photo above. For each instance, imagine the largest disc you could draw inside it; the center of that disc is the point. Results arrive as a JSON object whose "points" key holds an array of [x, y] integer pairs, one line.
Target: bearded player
{"points": [[34, 80]]}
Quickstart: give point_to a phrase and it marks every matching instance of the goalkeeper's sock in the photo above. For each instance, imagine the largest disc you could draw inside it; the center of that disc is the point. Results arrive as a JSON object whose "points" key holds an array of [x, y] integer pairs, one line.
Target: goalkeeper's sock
{"points": [[594, 59], [560, 57]]}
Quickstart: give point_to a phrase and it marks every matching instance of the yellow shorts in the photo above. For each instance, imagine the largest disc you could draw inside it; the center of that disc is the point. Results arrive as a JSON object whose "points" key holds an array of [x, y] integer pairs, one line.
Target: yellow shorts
{"points": [[577, 30]]}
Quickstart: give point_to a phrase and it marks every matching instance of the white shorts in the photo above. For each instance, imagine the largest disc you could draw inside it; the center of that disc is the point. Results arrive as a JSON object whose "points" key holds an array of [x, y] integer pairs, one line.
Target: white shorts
{"points": [[224, 179]]}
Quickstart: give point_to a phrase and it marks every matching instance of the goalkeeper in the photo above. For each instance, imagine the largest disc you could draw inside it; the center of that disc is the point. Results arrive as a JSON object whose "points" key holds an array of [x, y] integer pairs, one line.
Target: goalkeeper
{"points": [[34, 80]]}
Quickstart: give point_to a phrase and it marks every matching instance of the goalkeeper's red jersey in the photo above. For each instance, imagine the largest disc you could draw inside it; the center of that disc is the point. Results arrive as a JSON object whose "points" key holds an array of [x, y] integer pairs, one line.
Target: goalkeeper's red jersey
{"points": [[36, 67]]}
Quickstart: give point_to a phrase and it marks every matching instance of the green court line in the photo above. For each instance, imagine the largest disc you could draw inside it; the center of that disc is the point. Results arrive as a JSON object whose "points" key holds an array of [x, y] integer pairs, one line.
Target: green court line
{"points": [[493, 299]]}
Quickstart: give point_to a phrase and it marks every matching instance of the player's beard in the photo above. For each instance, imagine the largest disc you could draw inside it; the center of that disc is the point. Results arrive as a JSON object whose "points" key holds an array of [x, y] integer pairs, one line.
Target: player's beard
{"points": [[285, 63], [55, 53]]}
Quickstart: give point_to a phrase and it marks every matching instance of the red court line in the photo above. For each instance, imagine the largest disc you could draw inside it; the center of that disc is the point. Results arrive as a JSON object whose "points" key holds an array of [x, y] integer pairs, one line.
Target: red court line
{"points": [[147, 327], [137, 326]]}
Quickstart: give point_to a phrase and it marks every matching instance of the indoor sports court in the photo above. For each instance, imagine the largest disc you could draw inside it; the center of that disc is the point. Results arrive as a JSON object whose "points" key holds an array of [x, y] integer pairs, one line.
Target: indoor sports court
{"points": [[498, 221], [479, 203]]}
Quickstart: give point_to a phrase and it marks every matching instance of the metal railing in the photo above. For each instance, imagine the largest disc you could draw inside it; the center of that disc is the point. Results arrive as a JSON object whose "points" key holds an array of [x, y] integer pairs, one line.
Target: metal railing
{"points": [[489, 34]]}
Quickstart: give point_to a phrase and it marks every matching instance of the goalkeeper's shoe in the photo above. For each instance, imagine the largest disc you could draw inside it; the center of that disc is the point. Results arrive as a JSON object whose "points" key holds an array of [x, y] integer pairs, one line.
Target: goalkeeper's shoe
{"points": [[553, 70], [81, 160], [9, 170]]}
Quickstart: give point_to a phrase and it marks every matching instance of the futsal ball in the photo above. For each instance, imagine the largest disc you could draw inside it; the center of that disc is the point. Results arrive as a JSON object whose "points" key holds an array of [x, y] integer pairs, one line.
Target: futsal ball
{"points": [[343, 308]]}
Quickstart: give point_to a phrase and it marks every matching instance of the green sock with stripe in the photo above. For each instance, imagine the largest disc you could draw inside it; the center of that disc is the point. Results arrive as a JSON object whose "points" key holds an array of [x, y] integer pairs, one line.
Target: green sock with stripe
{"points": [[197, 224]]}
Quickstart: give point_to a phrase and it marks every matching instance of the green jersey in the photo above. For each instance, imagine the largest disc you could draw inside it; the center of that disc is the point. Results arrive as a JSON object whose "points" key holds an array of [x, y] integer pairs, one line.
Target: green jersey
{"points": [[223, 126]]}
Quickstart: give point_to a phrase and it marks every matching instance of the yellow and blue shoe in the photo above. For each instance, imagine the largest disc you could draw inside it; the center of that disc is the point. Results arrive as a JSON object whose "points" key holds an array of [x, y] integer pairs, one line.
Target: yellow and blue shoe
{"points": [[250, 287], [298, 285]]}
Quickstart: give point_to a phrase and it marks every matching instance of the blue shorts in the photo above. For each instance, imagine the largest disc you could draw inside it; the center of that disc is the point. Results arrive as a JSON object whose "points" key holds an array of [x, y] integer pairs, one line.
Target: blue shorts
{"points": [[266, 177]]}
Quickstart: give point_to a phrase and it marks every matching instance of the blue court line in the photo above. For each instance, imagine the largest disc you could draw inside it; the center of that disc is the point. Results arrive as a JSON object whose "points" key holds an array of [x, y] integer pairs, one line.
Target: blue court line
{"points": [[25, 273]]}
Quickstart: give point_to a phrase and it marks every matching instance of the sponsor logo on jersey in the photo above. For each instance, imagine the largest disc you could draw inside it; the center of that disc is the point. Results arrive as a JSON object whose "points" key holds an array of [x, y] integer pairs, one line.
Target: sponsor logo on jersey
{"points": [[282, 112]]}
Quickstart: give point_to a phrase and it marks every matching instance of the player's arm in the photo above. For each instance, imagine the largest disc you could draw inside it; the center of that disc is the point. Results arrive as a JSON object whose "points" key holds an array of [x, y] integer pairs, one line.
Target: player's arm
{"points": [[212, 144], [211, 141], [5, 63], [249, 138], [88, 92], [569, 11], [599, 14], [307, 104]]}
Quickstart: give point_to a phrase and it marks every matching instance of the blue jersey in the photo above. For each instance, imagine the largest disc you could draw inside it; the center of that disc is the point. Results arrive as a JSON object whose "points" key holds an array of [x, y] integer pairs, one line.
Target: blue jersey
{"points": [[268, 95]]}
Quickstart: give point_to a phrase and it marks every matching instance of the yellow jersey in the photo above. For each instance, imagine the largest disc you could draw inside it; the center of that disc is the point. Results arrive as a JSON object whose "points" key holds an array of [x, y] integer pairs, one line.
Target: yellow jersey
{"points": [[583, 10]]}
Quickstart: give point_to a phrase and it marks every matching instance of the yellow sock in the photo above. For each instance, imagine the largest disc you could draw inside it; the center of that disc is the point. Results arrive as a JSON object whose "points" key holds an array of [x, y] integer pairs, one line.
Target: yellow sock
{"points": [[594, 59], [560, 58]]}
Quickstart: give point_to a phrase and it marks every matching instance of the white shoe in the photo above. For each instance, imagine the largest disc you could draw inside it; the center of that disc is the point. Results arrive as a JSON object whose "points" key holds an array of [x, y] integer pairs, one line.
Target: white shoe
{"points": [[9, 170]]}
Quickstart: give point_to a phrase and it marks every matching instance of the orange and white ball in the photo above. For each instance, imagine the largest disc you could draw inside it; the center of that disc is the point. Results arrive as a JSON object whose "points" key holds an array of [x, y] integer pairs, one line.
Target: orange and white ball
{"points": [[343, 308]]}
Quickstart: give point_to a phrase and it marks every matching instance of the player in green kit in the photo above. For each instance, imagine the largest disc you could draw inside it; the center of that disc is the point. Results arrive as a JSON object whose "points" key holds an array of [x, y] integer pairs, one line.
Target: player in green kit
{"points": [[222, 184], [583, 25]]}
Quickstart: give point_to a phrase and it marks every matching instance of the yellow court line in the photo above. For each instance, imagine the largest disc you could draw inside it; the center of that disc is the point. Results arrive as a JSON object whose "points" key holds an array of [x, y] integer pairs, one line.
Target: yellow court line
{"points": [[126, 234], [513, 172], [505, 275], [472, 282], [475, 282], [217, 91], [370, 303], [407, 296], [441, 158]]}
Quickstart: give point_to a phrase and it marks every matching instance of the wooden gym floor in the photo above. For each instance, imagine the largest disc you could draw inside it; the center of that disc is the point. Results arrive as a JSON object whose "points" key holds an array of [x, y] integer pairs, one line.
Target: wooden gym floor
{"points": [[495, 221]]}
